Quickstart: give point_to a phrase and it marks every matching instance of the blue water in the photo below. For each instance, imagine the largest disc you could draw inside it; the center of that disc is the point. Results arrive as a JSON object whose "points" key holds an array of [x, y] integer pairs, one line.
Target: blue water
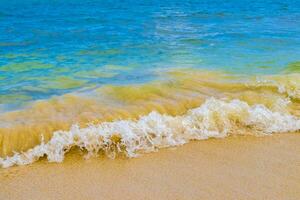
{"points": [[52, 47]]}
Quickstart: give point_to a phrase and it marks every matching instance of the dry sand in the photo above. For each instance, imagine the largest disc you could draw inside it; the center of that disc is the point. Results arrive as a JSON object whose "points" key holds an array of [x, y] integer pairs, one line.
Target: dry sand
{"points": [[243, 167]]}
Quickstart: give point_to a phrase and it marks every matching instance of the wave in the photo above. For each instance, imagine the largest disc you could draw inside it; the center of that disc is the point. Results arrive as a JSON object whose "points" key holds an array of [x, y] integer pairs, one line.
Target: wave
{"points": [[214, 118], [174, 95]]}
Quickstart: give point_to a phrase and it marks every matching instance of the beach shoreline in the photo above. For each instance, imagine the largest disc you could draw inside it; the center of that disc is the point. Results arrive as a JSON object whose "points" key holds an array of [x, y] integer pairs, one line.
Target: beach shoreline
{"points": [[237, 167]]}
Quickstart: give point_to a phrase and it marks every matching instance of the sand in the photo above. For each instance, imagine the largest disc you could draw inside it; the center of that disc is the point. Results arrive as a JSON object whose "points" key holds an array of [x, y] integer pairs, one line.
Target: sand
{"points": [[243, 167]]}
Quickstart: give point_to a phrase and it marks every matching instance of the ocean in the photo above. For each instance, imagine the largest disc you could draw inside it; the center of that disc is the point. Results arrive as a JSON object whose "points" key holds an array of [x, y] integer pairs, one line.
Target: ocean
{"points": [[129, 77]]}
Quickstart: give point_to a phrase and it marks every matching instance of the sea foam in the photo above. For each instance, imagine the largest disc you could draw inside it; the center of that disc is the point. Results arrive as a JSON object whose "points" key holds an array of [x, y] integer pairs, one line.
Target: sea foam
{"points": [[213, 119]]}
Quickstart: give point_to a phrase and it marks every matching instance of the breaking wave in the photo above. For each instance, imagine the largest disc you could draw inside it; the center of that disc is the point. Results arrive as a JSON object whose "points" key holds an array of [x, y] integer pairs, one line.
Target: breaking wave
{"points": [[215, 118]]}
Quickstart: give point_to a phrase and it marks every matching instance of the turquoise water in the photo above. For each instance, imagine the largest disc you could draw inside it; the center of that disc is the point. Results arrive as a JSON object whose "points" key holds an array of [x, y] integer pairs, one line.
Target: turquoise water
{"points": [[135, 76], [55, 47]]}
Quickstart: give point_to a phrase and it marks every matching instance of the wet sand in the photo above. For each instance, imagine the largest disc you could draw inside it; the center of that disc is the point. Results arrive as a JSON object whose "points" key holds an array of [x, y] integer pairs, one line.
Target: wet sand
{"points": [[243, 167]]}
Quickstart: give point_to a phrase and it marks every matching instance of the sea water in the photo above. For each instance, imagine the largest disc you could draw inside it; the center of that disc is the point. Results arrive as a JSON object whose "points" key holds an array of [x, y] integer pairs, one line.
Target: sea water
{"points": [[134, 76]]}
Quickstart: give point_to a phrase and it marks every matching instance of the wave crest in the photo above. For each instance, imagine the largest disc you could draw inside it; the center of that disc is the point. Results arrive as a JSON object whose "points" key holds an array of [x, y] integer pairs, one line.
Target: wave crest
{"points": [[214, 118]]}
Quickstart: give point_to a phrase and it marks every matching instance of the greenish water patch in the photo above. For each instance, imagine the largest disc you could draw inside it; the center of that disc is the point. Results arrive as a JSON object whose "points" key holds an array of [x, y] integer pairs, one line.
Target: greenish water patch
{"points": [[25, 66], [23, 55], [60, 70], [193, 41], [8, 98], [264, 67], [293, 67], [62, 83], [97, 52], [2, 77], [29, 88]]}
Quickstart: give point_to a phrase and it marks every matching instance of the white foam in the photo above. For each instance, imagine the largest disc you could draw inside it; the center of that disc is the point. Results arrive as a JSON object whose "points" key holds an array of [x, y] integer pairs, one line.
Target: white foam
{"points": [[214, 118]]}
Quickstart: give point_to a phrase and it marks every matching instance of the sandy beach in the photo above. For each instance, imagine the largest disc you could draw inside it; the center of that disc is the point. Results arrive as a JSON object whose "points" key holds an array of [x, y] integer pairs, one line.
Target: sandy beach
{"points": [[243, 167]]}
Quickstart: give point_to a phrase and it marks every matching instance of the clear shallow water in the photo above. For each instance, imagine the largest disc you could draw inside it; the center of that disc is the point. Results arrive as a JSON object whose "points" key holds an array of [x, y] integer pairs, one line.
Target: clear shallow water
{"points": [[54, 47]]}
